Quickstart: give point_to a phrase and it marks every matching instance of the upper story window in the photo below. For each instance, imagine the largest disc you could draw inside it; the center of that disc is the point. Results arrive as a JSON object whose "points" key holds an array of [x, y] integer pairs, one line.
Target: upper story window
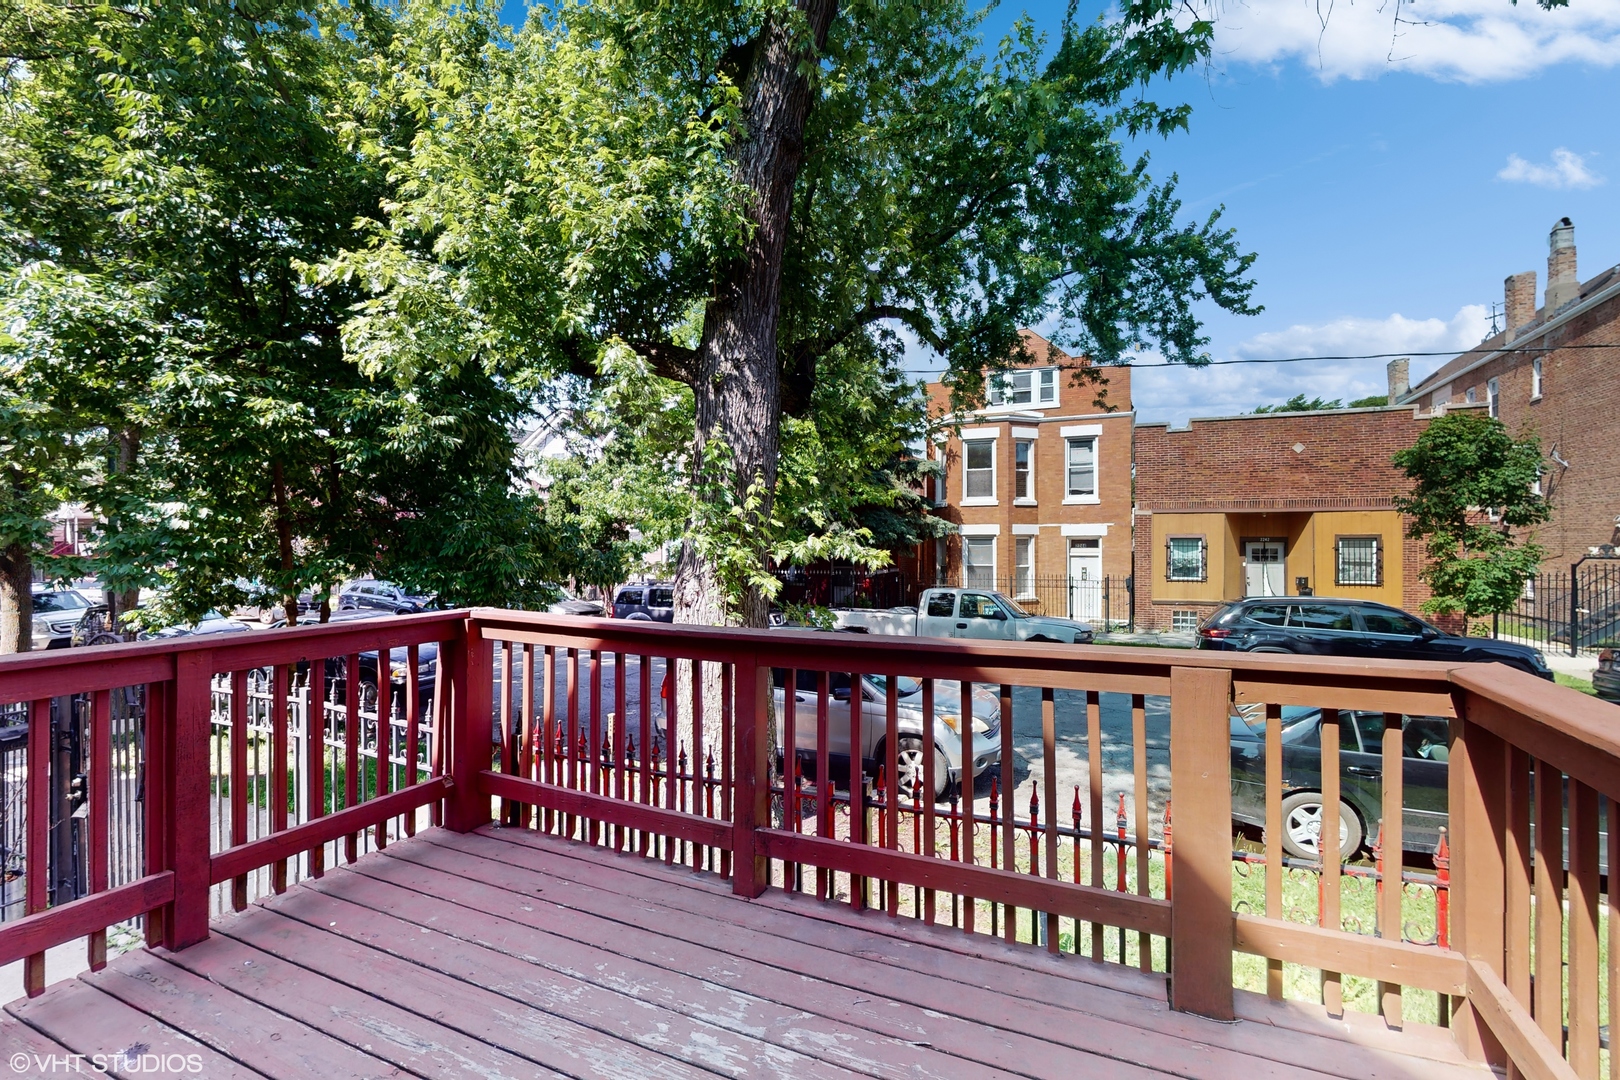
{"points": [[1535, 379], [1493, 395], [1082, 467], [979, 469], [1186, 559], [1034, 386], [1024, 470], [1472, 395]]}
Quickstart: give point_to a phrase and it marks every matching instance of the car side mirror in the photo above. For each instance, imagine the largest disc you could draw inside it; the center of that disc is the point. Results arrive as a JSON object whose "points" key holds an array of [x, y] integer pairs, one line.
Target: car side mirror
{"points": [[1430, 633], [1001, 616], [841, 694]]}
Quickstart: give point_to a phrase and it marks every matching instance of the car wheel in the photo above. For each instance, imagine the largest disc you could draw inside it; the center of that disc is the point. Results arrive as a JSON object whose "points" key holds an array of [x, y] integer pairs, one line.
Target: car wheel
{"points": [[639, 616], [1302, 826], [1044, 638], [910, 768], [106, 637]]}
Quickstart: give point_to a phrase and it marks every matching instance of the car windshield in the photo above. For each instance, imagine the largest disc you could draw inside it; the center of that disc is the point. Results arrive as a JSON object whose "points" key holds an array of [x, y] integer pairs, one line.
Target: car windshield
{"points": [[1296, 719], [1010, 605], [60, 600], [904, 685]]}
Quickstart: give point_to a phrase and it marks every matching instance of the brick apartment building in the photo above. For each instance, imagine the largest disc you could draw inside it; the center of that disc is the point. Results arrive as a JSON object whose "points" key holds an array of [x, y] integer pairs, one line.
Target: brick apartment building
{"points": [[1555, 372], [1275, 504], [1038, 482]]}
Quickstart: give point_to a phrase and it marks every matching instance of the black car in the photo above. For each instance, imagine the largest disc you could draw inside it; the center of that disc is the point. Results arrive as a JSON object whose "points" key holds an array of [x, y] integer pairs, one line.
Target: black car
{"points": [[1423, 775], [1353, 628], [382, 596], [652, 601]]}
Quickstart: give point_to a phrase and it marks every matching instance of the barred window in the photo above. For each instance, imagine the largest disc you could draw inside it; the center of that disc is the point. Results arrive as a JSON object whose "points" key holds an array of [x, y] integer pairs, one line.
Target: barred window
{"points": [[1185, 559], [1360, 561]]}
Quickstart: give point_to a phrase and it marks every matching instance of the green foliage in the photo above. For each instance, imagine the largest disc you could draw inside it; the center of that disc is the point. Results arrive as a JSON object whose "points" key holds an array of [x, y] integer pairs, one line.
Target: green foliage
{"points": [[1371, 401], [1464, 464], [1300, 403], [173, 170]]}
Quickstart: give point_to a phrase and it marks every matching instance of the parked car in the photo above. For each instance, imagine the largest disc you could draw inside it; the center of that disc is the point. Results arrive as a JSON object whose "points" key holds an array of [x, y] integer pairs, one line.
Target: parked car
{"points": [[569, 604], [381, 596], [946, 738], [212, 623], [57, 614], [1354, 628], [964, 613], [1424, 774], [649, 601], [1606, 679]]}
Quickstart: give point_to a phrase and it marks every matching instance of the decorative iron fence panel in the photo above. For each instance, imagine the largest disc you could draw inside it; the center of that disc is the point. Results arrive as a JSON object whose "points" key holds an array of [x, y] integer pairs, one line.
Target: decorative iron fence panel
{"points": [[1571, 611]]}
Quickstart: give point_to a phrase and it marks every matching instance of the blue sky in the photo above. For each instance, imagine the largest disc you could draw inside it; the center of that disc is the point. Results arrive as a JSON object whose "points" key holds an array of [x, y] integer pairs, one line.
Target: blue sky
{"points": [[1389, 174]]}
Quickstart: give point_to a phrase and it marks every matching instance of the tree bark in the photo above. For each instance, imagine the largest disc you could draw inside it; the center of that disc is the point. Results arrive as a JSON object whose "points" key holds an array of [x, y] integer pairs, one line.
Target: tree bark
{"points": [[16, 600], [284, 537], [120, 604], [737, 382]]}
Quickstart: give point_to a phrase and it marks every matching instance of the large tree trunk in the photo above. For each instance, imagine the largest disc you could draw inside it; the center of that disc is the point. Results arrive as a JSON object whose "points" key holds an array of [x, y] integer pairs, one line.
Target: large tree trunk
{"points": [[16, 600], [737, 385], [120, 604]]}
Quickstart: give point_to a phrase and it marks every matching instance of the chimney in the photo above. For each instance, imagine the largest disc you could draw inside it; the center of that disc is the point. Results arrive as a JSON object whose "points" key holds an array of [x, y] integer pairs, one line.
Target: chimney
{"points": [[1519, 294], [1400, 374], [1563, 286]]}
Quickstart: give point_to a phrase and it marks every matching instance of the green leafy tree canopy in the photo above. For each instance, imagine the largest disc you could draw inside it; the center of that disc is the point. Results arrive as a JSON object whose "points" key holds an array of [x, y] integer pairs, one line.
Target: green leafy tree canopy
{"points": [[1473, 492]]}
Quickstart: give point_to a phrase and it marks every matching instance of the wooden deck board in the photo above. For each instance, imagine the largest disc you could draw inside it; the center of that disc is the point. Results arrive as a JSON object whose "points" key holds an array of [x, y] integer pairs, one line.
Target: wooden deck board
{"points": [[1039, 999], [507, 955]]}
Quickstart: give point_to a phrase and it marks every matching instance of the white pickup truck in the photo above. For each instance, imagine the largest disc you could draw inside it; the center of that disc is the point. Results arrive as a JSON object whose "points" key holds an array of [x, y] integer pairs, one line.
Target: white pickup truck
{"points": [[964, 613]]}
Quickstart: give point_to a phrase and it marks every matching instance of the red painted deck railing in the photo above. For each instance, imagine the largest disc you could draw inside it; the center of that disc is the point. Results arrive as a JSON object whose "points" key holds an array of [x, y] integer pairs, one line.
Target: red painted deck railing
{"points": [[273, 756]]}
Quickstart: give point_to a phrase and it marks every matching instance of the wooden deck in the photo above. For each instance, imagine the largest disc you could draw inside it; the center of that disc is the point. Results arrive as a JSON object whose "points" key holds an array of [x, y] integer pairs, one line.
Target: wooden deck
{"points": [[507, 954]]}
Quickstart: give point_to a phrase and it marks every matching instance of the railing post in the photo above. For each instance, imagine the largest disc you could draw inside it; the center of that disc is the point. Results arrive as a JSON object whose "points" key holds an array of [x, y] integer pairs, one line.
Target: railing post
{"points": [[750, 872], [185, 795], [472, 703], [1478, 828], [1201, 907]]}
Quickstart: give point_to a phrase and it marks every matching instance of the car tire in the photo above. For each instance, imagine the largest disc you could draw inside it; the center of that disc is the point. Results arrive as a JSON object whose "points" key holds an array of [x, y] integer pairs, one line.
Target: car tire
{"points": [[639, 616], [910, 765], [1302, 825], [1044, 639]]}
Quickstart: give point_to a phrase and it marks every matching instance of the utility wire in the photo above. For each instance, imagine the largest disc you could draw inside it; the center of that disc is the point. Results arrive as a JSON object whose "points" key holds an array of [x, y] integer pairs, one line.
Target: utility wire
{"points": [[1373, 356]]}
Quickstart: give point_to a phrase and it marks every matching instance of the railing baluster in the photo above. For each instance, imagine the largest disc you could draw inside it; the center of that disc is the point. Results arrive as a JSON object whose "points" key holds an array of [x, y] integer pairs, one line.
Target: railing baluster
{"points": [[1200, 775], [413, 691], [1009, 839], [824, 818], [1516, 905], [278, 767], [37, 862], [1273, 838], [593, 763], [691, 785], [1394, 850], [930, 825], [618, 736], [644, 743], [1095, 803], [353, 728], [1549, 901], [237, 779], [549, 765], [792, 877], [891, 770], [1049, 783], [965, 788], [1139, 778], [1328, 848], [315, 759], [1584, 985], [96, 795], [857, 787], [728, 744]]}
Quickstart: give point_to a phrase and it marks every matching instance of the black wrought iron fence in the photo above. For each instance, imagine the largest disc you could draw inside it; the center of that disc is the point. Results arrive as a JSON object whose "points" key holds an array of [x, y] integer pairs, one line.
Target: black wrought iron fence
{"points": [[1571, 611], [1102, 601]]}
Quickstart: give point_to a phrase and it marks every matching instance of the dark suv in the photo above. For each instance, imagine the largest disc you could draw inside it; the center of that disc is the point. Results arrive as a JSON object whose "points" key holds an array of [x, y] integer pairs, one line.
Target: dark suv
{"points": [[647, 602], [1354, 628]]}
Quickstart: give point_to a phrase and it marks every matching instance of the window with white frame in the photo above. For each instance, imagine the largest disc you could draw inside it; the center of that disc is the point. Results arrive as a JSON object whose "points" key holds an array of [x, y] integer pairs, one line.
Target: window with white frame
{"points": [[1360, 561], [1535, 379], [1028, 387], [1024, 566], [979, 562], [1186, 558], [1024, 470], [1493, 395], [979, 469], [1472, 395], [1082, 467]]}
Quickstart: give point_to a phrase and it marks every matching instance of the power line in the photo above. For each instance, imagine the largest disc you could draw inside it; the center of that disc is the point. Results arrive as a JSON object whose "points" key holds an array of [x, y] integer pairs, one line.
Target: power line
{"points": [[1374, 356]]}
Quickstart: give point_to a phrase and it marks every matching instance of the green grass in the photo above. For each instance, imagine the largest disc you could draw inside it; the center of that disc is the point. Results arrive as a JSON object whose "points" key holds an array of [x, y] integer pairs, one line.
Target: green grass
{"points": [[1574, 683]]}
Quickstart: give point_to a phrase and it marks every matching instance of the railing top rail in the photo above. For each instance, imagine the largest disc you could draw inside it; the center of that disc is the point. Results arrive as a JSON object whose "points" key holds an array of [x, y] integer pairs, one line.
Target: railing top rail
{"points": [[33, 675], [1569, 730]]}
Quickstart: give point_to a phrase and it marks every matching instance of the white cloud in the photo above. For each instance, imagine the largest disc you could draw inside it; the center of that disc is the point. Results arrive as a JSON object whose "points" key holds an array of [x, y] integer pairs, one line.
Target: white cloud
{"points": [[1455, 40], [1177, 393], [1568, 170]]}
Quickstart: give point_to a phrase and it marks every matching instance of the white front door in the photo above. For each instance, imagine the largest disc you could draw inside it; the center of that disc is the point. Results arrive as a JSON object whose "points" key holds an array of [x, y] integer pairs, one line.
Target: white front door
{"points": [[1085, 579], [1263, 568]]}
